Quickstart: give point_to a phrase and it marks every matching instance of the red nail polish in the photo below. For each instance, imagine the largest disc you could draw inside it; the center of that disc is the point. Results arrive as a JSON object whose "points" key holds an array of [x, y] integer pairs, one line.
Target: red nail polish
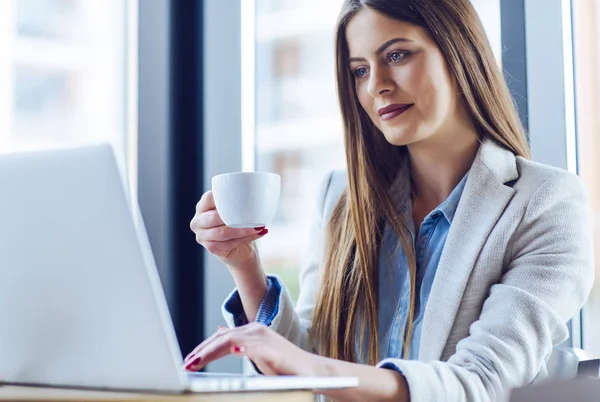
{"points": [[193, 363], [239, 349], [259, 228], [263, 232]]}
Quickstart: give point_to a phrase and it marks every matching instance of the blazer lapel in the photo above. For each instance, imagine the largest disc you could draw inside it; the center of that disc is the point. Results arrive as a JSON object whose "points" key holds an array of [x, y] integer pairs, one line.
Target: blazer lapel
{"points": [[483, 200]]}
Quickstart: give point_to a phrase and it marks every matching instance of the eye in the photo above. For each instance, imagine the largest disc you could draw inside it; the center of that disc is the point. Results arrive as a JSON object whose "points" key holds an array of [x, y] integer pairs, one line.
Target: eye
{"points": [[396, 56], [360, 72]]}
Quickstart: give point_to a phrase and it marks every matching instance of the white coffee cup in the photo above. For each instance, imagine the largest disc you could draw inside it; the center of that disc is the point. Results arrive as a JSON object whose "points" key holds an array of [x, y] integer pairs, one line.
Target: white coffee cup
{"points": [[246, 199]]}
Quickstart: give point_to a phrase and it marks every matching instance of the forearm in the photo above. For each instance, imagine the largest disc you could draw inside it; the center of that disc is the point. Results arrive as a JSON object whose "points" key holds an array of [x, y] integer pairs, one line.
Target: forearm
{"points": [[251, 283], [375, 384]]}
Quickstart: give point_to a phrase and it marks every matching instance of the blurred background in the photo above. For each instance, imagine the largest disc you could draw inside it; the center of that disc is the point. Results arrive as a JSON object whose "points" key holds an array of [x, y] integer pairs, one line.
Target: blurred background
{"points": [[185, 90]]}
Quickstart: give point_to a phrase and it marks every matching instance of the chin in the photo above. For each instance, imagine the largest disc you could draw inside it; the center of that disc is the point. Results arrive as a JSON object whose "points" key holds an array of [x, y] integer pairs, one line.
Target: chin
{"points": [[400, 137]]}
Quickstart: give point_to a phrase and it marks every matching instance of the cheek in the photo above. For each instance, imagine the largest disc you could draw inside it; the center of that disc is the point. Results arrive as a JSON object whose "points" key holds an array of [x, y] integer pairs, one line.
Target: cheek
{"points": [[364, 98], [434, 99], [426, 97], [419, 85], [427, 82]]}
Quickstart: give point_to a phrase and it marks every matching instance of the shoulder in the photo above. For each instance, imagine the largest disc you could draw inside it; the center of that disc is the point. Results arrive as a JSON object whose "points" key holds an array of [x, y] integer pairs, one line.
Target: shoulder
{"points": [[337, 183], [547, 193], [332, 187], [548, 182], [556, 227]]}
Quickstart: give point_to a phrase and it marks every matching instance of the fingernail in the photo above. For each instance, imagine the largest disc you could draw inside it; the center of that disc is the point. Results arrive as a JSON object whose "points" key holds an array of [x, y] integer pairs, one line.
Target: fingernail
{"points": [[263, 232], [193, 363], [259, 228], [239, 349]]}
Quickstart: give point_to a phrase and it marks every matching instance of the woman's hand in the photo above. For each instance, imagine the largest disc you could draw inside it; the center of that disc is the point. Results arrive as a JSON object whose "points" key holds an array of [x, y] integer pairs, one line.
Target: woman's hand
{"points": [[234, 247], [274, 355], [271, 353]]}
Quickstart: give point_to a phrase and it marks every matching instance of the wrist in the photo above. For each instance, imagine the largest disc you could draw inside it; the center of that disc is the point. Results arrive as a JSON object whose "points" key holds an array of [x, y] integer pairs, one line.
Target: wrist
{"points": [[248, 267], [320, 366], [248, 272]]}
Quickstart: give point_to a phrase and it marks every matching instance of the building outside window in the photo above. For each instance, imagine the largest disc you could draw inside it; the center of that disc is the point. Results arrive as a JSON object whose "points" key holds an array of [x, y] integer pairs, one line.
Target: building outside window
{"points": [[63, 73]]}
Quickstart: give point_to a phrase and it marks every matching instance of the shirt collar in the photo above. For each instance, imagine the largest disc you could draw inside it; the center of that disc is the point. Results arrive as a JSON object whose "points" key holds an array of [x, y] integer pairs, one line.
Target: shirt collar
{"points": [[448, 207], [400, 191]]}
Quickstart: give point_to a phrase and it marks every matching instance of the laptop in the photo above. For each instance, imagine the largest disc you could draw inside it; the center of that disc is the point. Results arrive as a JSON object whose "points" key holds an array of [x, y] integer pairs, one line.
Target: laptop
{"points": [[81, 302]]}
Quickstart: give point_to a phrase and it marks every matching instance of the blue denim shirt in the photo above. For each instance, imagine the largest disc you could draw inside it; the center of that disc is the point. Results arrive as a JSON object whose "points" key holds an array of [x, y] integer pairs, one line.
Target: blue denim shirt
{"points": [[394, 280]]}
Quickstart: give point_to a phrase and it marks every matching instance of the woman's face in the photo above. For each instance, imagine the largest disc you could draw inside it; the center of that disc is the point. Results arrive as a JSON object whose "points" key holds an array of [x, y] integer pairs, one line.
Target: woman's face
{"points": [[401, 78]]}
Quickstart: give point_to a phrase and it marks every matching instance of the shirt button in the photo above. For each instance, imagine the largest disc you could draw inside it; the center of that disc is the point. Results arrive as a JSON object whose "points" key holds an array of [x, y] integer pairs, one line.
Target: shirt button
{"points": [[435, 215]]}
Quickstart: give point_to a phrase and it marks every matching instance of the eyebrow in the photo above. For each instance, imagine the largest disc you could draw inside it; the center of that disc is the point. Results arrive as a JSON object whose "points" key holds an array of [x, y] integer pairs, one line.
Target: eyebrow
{"points": [[381, 48]]}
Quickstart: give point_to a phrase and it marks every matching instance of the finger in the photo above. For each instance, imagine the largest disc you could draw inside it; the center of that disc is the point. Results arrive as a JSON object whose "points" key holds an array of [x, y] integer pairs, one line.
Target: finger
{"points": [[201, 345], [219, 247], [220, 343], [259, 348], [206, 203], [219, 348], [257, 352], [211, 219], [272, 353], [207, 220], [224, 233], [194, 365]]}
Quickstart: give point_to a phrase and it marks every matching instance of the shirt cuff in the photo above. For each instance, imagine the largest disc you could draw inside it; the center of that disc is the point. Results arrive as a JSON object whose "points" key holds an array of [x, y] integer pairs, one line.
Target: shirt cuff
{"points": [[391, 366], [269, 307]]}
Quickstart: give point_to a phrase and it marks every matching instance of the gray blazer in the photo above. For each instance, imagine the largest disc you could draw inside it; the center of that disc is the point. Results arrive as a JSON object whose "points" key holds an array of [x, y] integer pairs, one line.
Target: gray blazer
{"points": [[516, 267]]}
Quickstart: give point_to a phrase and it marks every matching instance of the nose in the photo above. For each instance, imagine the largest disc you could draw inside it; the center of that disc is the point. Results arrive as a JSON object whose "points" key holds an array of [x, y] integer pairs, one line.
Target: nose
{"points": [[380, 83]]}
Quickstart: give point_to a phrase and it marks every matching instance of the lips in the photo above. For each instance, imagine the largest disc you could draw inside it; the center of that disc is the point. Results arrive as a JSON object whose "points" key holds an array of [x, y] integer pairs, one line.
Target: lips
{"points": [[391, 111]]}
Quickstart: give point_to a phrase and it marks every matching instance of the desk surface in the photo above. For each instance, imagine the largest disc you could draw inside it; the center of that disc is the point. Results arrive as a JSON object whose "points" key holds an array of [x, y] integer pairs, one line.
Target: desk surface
{"points": [[36, 394]]}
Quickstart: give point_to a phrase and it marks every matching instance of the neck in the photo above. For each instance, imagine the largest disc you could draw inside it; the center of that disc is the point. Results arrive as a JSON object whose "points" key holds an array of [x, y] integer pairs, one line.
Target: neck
{"points": [[439, 163]]}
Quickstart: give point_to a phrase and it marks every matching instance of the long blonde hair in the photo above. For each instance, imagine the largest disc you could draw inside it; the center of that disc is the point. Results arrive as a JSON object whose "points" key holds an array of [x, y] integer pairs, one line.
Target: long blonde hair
{"points": [[348, 297]]}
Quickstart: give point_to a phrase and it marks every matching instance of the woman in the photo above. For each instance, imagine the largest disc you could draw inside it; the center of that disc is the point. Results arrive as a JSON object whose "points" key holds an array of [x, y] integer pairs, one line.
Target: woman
{"points": [[445, 264]]}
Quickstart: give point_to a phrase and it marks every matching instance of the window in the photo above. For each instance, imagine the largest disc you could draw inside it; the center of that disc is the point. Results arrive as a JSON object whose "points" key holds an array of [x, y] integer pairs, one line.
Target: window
{"points": [[298, 127], [63, 73], [586, 40]]}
